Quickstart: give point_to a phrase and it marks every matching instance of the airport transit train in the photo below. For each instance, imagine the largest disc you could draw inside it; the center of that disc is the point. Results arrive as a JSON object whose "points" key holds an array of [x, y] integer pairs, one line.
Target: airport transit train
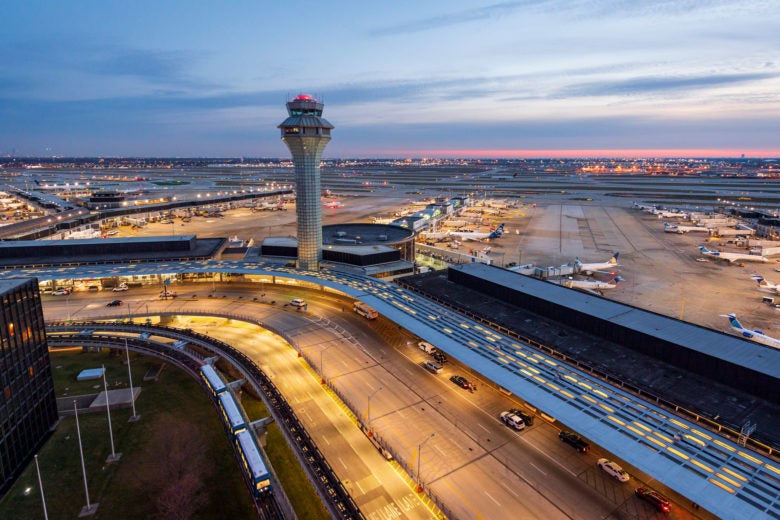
{"points": [[252, 463]]}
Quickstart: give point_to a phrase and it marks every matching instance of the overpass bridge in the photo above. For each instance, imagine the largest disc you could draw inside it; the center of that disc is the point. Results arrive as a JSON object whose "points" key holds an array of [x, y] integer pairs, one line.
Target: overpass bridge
{"points": [[706, 466]]}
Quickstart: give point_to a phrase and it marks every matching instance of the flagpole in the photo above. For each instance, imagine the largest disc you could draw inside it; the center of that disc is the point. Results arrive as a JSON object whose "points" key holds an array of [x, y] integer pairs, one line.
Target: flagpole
{"points": [[40, 486], [88, 509], [114, 456], [134, 417]]}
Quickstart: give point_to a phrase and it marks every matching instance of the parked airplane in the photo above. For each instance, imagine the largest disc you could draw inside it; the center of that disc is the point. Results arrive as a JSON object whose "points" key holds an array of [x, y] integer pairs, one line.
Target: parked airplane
{"points": [[333, 204], [752, 335], [732, 257], [591, 286], [476, 235], [643, 207], [660, 213], [676, 228], [765, 284], [591, 268]]}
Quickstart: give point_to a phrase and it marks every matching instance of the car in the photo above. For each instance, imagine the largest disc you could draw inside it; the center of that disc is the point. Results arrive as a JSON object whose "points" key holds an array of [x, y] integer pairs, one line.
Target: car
{"points": [[527, 418], [427, 347], [93, 288], [167, 294], [114, 303], [297, 302], [574, 440], [461, 381], [655, 499], [61, 292], [433, 367], [614, 470], [512, 420], [121, 287]]}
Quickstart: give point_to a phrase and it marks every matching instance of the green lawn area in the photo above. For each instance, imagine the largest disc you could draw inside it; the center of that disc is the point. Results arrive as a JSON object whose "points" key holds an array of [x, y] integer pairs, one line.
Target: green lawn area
{"points": [[176, 461]]}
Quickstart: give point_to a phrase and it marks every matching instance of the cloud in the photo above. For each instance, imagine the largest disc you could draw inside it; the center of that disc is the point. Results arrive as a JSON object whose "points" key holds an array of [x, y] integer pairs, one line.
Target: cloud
{"points": [[455, 18], [651, 84]]}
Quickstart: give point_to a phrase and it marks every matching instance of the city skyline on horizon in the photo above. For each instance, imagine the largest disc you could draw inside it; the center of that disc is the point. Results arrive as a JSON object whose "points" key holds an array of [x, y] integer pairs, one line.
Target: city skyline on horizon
{"points": [[514, 79]]}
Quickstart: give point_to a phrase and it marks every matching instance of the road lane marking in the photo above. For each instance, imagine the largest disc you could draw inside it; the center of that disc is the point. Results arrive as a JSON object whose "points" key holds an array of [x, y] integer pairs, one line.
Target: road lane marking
{"points": [[493, 499]]}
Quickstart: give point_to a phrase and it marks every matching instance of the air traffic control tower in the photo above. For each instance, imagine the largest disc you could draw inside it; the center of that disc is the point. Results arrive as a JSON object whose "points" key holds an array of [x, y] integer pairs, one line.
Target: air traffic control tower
{"points": [[306, 133]]}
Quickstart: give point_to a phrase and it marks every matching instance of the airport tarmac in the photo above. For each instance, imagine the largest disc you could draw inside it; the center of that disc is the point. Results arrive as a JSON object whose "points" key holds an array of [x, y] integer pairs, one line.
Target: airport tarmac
{"points": [[659, 270]]}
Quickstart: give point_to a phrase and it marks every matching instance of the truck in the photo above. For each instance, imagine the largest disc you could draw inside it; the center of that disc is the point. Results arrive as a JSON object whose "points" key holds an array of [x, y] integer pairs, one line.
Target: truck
{"points": [[364, 310]]}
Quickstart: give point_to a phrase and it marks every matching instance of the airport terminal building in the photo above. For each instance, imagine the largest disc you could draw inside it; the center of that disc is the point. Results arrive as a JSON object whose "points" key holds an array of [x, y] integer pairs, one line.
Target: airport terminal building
{"points": [[28, 408]]}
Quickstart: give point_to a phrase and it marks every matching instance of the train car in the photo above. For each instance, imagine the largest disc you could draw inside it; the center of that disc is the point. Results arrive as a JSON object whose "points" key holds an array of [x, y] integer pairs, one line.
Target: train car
{"points": [[231, 414], [252, 462], [212, 379]]}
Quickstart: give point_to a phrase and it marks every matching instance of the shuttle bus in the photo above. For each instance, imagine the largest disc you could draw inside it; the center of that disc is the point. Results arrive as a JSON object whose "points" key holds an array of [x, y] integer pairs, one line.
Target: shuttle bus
{"points": [[365, 311]]}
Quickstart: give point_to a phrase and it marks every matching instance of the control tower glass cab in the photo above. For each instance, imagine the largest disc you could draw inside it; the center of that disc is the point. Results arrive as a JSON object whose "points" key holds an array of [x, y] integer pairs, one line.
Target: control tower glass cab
{"points": [[306, 133]]}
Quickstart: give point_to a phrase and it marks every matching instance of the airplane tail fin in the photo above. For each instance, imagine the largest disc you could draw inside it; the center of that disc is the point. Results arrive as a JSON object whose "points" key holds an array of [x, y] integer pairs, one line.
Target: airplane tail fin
{"points": [[759, 279], [734, 321], [614, 258]]}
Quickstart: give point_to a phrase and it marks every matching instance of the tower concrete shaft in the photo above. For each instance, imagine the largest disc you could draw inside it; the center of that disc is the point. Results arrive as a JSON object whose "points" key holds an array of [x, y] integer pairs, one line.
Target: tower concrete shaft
{"points": [[306, 133]]}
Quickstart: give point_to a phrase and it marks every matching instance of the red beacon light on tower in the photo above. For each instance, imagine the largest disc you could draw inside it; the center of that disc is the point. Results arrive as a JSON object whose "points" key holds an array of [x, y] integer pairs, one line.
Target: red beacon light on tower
{"points": [[303, 97]]}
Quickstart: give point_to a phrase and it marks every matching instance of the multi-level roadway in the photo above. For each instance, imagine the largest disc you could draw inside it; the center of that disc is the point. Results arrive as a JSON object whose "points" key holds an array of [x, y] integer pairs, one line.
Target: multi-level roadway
{"points": [[714, 471]]}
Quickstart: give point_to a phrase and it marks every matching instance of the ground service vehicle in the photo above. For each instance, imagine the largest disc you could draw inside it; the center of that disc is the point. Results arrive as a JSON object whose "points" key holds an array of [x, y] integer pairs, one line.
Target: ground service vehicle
{"points": [[297, 302], [574, 440], [655, 499], [120, 287], [613, 469], [364, 310]]}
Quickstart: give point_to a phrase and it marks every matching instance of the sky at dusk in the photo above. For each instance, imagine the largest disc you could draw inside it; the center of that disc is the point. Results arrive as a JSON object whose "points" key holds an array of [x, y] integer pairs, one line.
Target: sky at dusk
{"points": [[528, 78]]}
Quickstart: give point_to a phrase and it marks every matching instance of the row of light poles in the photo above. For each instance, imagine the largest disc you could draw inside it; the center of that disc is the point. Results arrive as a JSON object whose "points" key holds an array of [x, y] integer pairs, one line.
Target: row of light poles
{"points": [[91, 508]]}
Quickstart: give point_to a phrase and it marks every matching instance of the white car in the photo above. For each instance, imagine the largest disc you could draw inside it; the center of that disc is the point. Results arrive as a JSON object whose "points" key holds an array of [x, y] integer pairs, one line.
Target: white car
{"points": [[118, 288], [614, 470], [61, 292], [512, 420], [297, 302]]}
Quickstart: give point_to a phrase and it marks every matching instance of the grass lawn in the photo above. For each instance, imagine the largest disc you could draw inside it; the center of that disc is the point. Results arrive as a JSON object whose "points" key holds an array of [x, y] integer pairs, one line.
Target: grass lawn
{"points": [[176, 461]]}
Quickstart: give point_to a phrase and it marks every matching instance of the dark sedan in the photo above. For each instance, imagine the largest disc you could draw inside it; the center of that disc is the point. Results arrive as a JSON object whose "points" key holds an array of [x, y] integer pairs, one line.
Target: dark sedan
{"points": [[461, 382]]}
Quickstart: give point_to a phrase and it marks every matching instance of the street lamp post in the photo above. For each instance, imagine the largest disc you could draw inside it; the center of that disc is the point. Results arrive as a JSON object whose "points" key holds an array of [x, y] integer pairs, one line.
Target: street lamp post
{"points": [[419, 456], [368, 413]]}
